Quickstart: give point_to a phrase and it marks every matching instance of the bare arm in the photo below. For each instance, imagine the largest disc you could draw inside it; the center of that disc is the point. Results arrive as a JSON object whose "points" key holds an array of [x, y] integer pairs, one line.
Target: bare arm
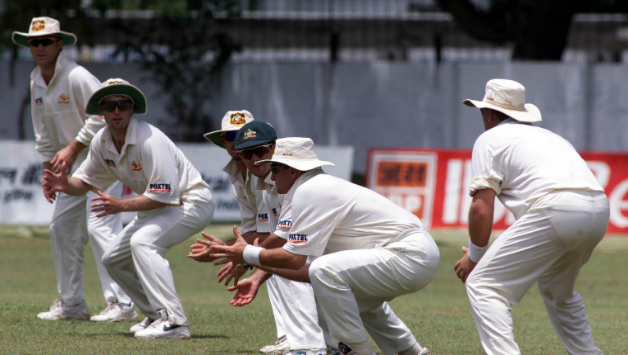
{"points": [[480, 227], [277, 257], [111, 205], [301, 275], [54, 183]]}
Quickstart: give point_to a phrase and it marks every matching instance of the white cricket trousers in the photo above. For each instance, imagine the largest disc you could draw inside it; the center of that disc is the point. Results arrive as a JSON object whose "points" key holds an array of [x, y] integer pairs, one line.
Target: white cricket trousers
{"points": [[548, 245], [353, 287], [136, 258], [73, 225], [294, 304]]}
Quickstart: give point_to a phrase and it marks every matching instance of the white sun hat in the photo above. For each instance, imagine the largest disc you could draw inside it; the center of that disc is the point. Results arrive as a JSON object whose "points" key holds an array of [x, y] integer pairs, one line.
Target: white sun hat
{"points": [[43, 26], [231, 121], [297, 153], [508, 97]]}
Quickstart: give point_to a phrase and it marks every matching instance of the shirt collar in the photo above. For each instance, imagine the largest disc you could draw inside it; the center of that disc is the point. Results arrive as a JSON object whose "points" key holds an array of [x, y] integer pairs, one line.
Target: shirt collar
{"points": [[235, 175], [38, 79], [129, 138], [266, 184]]}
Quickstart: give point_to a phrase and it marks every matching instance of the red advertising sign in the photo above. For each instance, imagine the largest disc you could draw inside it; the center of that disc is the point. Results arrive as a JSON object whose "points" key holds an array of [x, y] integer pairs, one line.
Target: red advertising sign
{"points": [[434, 184]]}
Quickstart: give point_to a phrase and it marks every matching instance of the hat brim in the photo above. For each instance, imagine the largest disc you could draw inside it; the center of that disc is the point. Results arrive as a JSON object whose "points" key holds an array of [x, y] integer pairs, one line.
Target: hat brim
{"points": [[214, 136], [21, 38], [299, 164], [530, 112], [139, 100]]}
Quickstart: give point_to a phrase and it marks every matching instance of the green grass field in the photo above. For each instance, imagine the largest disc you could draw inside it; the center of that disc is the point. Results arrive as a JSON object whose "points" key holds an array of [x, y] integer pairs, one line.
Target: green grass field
{"points": [[439, 315]]}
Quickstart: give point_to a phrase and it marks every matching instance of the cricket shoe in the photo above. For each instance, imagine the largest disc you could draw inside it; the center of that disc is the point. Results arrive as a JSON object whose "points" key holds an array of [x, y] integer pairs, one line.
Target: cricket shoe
{"points": [[162, 329], [309, 352], [116, 312], [141, 325], [280, 347], [61, 311]]}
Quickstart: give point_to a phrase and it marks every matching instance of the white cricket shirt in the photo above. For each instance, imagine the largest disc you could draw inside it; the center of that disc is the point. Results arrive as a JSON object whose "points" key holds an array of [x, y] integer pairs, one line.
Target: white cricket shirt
{"points": [[58, 109], [330, 214], [523, 163], [251, 201], [279, 212], [149, 163]]}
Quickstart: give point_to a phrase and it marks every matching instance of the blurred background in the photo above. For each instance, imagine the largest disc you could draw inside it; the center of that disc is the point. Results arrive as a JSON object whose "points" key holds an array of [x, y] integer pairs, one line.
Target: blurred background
{"points": [[360, 73]]}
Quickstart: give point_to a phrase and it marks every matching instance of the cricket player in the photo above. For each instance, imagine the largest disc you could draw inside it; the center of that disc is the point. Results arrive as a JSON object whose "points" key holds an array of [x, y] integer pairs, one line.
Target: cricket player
{"points": [[368, 251], [59, 91], [173, 203], [298, 329], [561, 215], [255, 220]]}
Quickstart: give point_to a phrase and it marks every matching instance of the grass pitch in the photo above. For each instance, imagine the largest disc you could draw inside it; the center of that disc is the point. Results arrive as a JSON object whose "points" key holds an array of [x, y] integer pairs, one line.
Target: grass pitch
{"points": [[439, 316]]}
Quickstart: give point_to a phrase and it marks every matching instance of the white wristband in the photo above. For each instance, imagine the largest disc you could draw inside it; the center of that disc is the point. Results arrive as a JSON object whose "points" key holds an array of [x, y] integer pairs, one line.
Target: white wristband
{"points": [[475, 252], [251, 255]]}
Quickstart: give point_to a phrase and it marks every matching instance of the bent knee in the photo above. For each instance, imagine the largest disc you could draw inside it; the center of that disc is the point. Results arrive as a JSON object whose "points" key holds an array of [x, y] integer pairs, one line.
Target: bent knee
{"points": [[320, 271]]}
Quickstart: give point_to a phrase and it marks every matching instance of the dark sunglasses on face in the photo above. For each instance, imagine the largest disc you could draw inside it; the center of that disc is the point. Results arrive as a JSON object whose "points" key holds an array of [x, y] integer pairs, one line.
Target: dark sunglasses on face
{"points": [[229, 136], [275, 167], [43, 41], [110, 106], [260, 151]]}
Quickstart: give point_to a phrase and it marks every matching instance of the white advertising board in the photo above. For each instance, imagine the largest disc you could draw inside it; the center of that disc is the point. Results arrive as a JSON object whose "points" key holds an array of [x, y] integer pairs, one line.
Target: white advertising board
{"points": [[22, 200]]}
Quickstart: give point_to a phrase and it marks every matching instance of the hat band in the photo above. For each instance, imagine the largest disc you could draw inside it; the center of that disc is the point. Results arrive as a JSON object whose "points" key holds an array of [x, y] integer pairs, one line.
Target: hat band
{"points": [[507, 107]]}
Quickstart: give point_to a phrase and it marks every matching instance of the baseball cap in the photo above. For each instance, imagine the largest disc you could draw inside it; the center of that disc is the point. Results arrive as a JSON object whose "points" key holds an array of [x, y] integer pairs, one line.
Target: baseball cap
{"points": [[253, 134], [231, 121], [297, 153]]}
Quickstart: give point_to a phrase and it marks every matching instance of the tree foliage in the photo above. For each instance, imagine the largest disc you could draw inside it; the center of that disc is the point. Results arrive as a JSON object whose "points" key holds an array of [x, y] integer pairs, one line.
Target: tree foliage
{"points": [[186, 63], [539, 29]]}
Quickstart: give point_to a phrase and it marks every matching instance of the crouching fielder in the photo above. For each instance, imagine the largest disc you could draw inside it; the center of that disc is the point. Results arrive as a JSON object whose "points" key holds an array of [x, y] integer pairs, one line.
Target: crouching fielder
{"points": [[368, 251], [173, 204], [561, 211]]}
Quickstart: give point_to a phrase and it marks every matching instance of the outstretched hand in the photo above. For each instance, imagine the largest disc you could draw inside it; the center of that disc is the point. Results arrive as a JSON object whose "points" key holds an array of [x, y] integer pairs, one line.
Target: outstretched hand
{"points": [[201, 252], [233, 271], [54, 183], [230, 253], [464, 266], [246, 291], [109, 204]]}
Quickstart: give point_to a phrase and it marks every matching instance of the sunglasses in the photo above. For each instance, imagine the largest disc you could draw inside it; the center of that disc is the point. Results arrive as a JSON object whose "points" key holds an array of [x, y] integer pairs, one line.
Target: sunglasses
{"points": [[275, 167], [229, 136], [110, 106], [260, 151], [43, 41]]}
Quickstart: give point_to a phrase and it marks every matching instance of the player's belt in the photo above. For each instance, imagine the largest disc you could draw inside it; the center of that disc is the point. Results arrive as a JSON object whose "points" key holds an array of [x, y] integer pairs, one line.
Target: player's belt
{"points": [[402, 235]]}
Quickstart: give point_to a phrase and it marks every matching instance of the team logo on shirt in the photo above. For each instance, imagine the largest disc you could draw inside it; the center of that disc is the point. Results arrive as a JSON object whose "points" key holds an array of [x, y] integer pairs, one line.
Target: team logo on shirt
{"points": [[110, 163], [284, 224], [135, 166], [39, 102], [237, 119], [249, 134], [159, 187], [38, 25], [262, 217], [274, 212], [63, 99], [297, 238]]}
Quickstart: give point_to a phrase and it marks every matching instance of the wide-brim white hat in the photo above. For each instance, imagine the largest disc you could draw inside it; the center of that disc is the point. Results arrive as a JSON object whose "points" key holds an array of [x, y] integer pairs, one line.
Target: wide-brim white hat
{"points": [[508, 97], [117, 87], [43, 26], [297, 153], [231, 121]]}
